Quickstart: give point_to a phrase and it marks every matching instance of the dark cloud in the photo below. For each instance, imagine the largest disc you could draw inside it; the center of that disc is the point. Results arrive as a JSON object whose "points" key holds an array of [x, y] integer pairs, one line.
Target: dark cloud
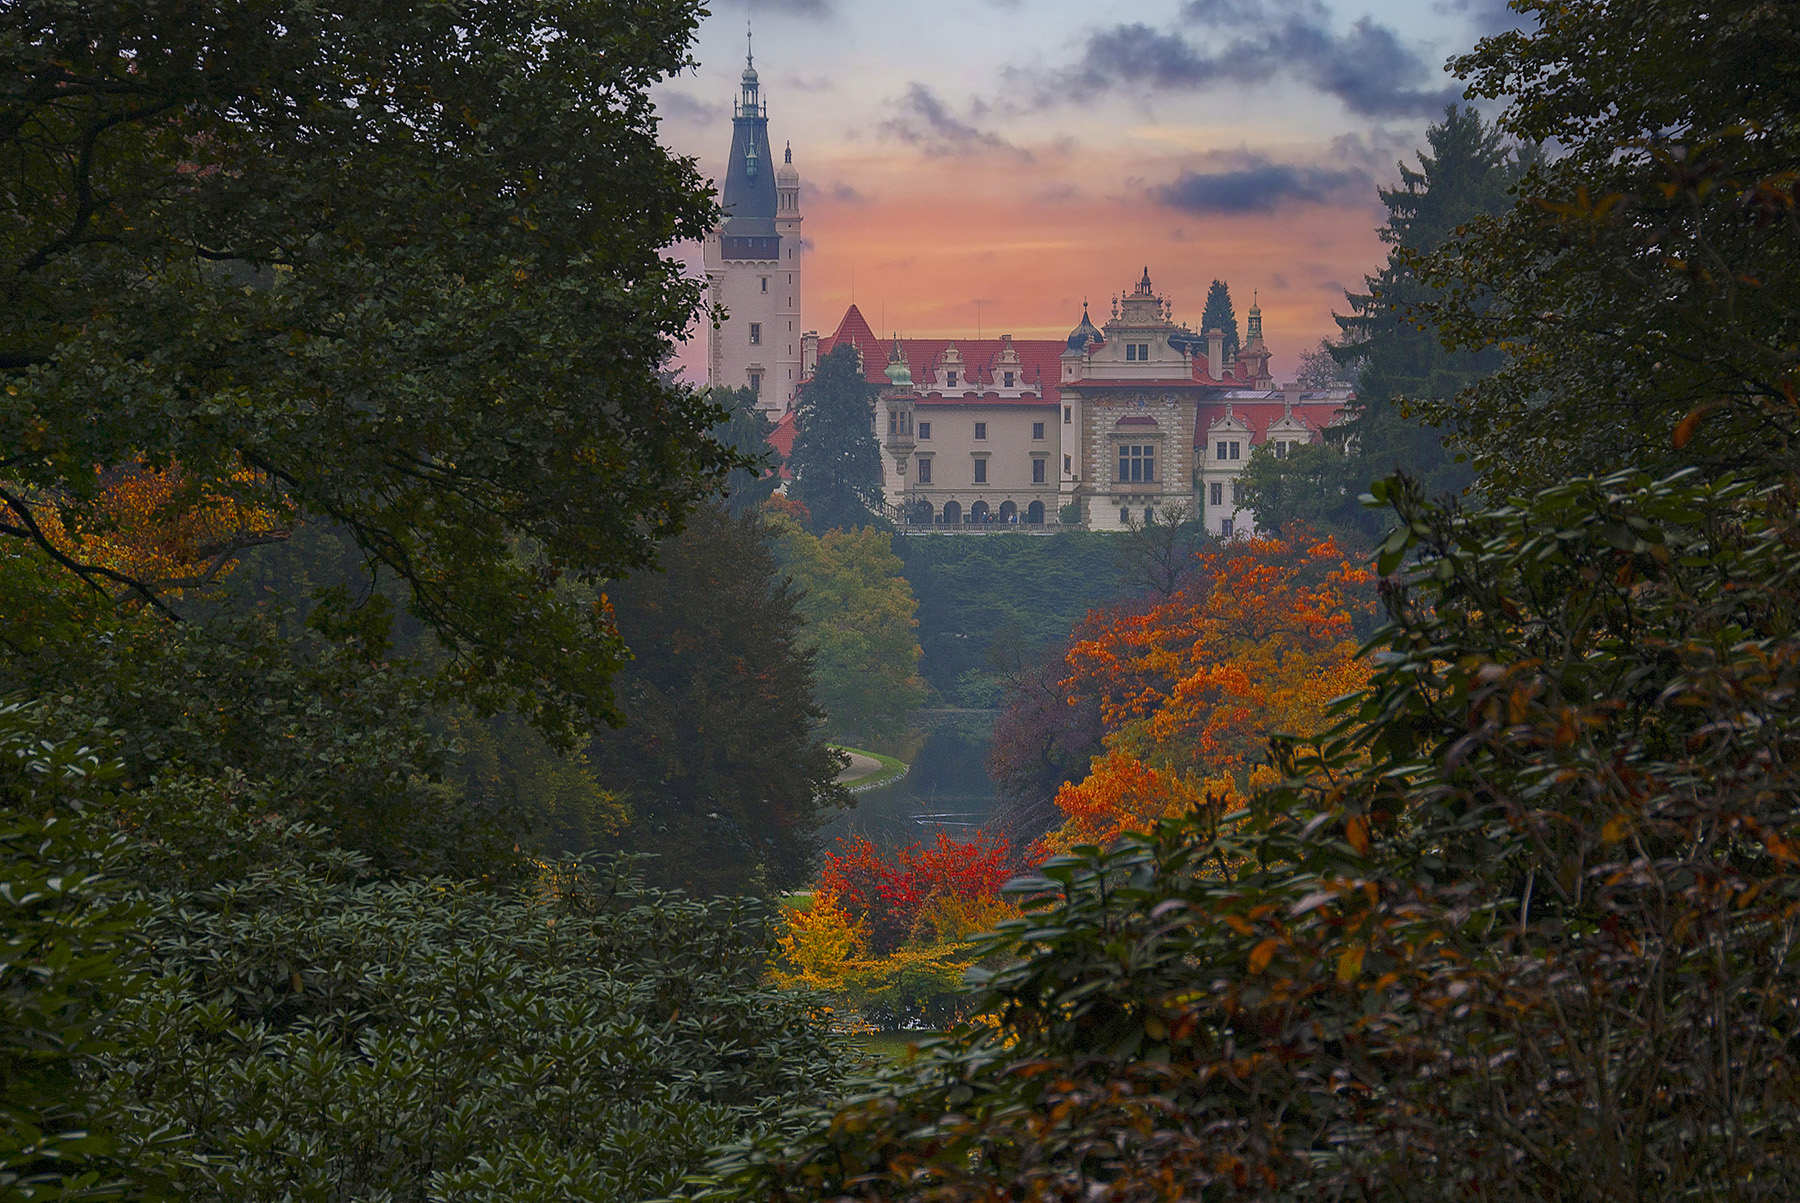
{"points": [[1259, 186], [798, 8], [1368, 67], [679, 106], [844, 194], [923, 120]]}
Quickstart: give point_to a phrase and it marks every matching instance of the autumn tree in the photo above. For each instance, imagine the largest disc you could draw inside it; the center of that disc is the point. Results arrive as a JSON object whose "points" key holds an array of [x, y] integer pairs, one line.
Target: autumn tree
{"points": [[836, 462], [861, 625], [1257, 639]]}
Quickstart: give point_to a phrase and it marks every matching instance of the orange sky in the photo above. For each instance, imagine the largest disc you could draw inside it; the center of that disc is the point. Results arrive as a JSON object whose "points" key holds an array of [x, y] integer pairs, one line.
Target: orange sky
{"points": [[991, 162]]}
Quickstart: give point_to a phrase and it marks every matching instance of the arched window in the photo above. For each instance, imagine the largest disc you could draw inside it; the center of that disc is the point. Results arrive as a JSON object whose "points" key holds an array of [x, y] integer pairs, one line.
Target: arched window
{"points": [[952, 513], [1124, 515], [1034, 513], [1009, 512], [920, 514], [978, 512]]}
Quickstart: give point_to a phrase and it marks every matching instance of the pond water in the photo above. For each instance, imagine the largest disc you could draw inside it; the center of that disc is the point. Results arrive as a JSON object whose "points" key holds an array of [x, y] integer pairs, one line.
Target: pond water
{"points": [[947, 788]]}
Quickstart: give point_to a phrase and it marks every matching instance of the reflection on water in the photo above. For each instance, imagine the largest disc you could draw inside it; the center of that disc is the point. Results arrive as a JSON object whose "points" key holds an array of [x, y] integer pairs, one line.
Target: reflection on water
{"points": [[946, 789]]}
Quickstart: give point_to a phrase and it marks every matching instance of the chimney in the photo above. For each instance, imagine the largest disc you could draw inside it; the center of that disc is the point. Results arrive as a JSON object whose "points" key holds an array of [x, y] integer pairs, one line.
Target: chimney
{"points": [[1215, 354]]}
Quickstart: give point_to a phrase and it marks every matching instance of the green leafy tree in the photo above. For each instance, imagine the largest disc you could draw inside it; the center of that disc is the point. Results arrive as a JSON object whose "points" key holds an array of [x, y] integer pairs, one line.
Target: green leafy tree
{"points": [[721, 764], [746, 431], [399, 271], [861, 626], [1403, 366], [1648, 295], [64, 964], [1219, 315], [836, 463]]}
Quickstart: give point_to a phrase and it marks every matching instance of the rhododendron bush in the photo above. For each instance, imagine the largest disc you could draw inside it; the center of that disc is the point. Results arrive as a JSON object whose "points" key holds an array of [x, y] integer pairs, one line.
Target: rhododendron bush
{"points": [[1257, 640], [891, 932]]}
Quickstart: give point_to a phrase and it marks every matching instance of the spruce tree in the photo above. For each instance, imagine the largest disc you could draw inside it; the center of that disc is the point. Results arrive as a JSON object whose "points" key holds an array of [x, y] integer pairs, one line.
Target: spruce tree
{"points": [[1219, 315], [835, 461], [1467, 173]]}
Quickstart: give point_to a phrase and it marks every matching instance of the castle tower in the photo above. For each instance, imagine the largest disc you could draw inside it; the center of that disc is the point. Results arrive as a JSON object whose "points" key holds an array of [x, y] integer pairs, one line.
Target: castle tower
{"points": [[753, 262]]}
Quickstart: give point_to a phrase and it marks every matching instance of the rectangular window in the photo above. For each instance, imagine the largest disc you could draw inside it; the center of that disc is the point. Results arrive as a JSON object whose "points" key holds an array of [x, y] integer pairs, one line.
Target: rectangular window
{"points": [[756, 383], [1144, 352], [1281, 450], [1237, 494], [924, 430], [1037, 430], [1068, 414], [756, 334], [952, 380], [1124, 515], [1225, 527], [924, 471], [765, 284], [1037, 471], [1217, 494], [981, 430], [1221, 454], [1234, 451], [980, 471], [1137, 464], [1130, 352], [1149, 515], [1068, 465], [893, 423]]}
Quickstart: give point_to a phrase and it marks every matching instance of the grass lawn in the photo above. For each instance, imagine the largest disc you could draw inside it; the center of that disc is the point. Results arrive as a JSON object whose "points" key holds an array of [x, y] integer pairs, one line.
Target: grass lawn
{"points": [[891, 1046], [891, 769]]}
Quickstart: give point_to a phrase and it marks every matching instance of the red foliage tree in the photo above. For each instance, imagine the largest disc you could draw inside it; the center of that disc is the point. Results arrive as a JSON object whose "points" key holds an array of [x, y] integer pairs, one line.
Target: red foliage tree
{"points": [[889, 891]]}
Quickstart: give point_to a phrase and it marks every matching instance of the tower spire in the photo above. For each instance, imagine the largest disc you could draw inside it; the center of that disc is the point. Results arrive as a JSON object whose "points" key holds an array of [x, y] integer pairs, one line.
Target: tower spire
{"points": [[749, 45]]}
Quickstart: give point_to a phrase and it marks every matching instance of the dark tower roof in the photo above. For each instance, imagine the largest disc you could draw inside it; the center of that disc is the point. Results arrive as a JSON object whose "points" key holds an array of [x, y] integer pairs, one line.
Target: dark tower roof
{"points": [[1084, 333], [749, 198]]}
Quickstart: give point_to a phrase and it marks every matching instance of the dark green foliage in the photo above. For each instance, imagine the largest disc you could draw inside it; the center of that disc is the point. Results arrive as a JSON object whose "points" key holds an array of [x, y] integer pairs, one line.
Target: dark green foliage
{"points": [[285, 721], [61, 969], [589, 1039], [979, 597], [403, 264], [746, 431], [1219, 315], [1400, 363], [836, 462], [721, 762], [1655, 273]]}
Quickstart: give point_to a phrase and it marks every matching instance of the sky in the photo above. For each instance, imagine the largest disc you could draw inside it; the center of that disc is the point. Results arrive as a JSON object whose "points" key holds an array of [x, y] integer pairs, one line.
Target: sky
{"points": [[980, 167]]}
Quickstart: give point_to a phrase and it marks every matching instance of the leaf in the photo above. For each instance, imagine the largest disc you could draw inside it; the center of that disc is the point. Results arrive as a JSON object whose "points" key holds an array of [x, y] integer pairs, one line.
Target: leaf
{"points": [[1684, 430], [1349, 965], [1262, 954], [1616, 829], [1356, 830]]}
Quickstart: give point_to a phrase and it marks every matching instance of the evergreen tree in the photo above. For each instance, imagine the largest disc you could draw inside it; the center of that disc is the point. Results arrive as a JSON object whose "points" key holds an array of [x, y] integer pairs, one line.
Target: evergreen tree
{"points": [[836, 463], [721, 763], [746, 431], [1467, 173], [1219, 315]]}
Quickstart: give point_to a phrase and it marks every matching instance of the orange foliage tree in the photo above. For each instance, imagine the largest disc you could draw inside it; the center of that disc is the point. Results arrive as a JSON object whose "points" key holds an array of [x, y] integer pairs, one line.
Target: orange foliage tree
{"points": [[1257, 640], [155, 531]]}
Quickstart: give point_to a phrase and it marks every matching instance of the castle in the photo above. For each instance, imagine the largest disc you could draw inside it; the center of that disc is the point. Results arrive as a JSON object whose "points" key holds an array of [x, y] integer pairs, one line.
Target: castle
{"points": [[1103, 430]]}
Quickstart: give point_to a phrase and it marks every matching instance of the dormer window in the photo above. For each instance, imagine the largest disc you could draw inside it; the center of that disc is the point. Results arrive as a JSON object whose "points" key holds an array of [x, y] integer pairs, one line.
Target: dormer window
{"points": [[950, 380], [1008, 378]]}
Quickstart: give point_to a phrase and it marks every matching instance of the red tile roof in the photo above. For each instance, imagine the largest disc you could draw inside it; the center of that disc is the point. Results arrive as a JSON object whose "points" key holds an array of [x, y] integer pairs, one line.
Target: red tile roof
{"points": [[782, 439], [1040, 362], [1316, 412]]}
